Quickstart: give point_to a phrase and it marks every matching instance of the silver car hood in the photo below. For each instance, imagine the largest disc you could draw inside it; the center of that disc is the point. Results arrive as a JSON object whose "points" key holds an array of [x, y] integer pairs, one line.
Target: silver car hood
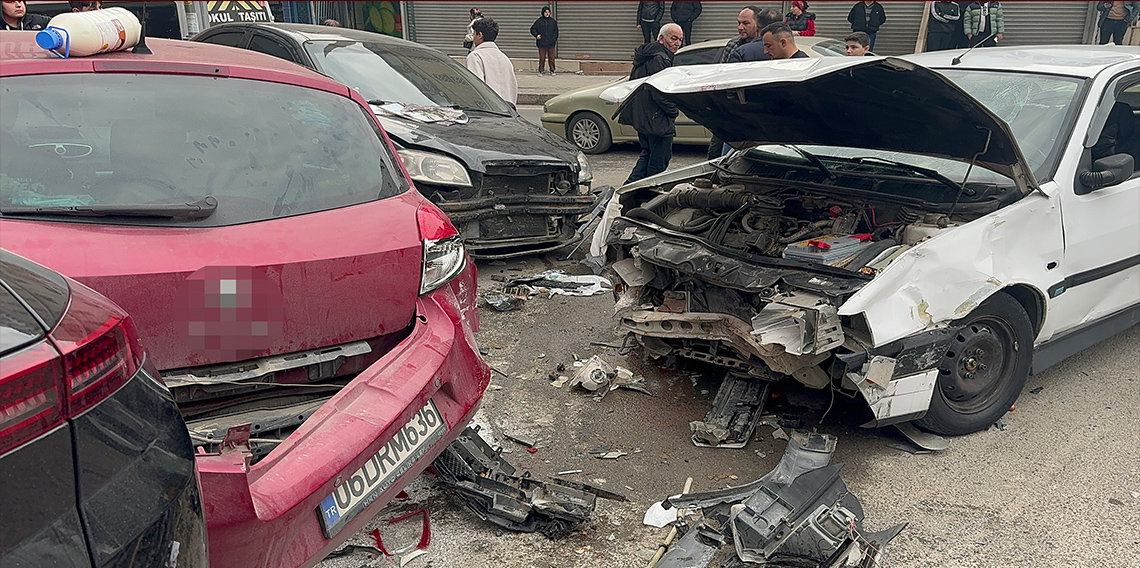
{"points": [[859, 102]]}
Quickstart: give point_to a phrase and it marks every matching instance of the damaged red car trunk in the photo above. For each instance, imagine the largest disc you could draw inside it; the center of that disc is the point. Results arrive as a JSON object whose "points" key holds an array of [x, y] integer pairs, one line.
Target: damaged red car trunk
{"points": [[312, 314]]}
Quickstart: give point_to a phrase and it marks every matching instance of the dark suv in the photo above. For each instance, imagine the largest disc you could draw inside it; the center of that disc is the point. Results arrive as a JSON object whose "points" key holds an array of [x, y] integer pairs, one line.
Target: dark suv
{"points": [[96, 466], [510, 186]]}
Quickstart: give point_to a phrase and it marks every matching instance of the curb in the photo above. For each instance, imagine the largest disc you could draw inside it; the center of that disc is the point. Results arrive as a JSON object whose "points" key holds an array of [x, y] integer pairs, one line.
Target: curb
{"points": [[534, 98]]}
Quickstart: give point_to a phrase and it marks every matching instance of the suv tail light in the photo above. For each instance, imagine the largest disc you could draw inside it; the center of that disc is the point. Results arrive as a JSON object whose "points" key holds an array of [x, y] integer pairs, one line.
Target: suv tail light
{"points": [[30, 390], [444, 256]]}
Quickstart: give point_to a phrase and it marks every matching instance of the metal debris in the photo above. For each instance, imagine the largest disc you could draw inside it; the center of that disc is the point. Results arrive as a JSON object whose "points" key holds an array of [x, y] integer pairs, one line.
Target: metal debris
{"points": [[594, 375], [523, 439], [557, 282], [799, 514], [734, 415], [1036, 390], [502, 301], [490, 488], [924, 440]]}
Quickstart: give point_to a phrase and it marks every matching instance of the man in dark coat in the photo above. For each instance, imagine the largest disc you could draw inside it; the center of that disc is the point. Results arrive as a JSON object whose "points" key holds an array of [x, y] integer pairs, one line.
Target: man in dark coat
{"points": [[683, 14], [754, 50], [779, 42], [16, 17], [944, 18], [649, 112], [545, 32], [867, 16], [649, 16]]}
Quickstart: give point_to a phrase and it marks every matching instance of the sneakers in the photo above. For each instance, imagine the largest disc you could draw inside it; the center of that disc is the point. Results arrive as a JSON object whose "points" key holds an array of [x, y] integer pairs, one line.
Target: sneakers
{"points": [[541, 73], [552, 73]]}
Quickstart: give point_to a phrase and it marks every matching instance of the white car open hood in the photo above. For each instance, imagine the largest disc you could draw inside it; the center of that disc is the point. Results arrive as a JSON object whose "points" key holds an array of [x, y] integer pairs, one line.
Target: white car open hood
{"points": [[856, 102]]}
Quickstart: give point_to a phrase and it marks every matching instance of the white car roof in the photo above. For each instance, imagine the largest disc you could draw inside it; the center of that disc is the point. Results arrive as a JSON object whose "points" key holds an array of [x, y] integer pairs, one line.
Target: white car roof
{"points": [[1074, 60]]}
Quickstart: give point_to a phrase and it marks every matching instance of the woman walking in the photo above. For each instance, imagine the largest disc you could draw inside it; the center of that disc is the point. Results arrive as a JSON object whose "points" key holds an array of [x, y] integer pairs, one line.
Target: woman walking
{"points": [[545, 32]]}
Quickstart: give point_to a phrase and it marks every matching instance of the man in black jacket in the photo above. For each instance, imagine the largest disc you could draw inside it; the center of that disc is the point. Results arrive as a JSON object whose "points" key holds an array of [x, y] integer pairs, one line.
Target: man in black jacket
{"points": [[545, 32], [867, 16], [944, 17], [683, 14], [16, 17], [649, 16], [649, 112]]}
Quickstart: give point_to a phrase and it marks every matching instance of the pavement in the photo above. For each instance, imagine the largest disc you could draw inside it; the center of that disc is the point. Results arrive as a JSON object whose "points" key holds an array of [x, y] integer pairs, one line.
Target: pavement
{"points": [[535, 89]]}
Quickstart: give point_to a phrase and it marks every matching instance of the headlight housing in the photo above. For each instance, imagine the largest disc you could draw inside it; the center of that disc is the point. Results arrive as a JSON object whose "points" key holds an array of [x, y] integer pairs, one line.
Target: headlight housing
{"points": [[434, 168], [584, 172]]}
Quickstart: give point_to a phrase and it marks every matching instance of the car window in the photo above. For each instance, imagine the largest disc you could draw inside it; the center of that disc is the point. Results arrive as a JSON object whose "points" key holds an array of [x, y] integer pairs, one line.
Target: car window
{"points": [[697, 56], [1120, 133], [231, 39], [1035, 106], [269, 46], [406, 74], [830, 48], [127, 140]]}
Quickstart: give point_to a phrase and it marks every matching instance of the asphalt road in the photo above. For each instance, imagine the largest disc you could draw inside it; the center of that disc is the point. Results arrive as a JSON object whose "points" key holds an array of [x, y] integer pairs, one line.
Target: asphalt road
{"points": [[1058, 487]]}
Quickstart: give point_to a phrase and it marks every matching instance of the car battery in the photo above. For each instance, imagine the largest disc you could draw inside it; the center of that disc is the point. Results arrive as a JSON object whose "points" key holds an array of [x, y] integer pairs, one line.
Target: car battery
{"points": [[832, 250]]}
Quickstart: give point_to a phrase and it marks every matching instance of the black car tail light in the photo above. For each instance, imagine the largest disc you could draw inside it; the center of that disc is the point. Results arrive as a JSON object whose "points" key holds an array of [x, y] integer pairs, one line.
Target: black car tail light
{"points": [[30, 401]]}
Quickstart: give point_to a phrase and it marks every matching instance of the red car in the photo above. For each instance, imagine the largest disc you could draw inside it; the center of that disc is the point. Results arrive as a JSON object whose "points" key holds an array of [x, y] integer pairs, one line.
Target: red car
{"points": [[311, 312]]}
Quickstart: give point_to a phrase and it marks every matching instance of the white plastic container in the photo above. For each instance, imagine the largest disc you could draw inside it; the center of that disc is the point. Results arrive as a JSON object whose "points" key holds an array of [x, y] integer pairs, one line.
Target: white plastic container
{"points": [[87, 33]]}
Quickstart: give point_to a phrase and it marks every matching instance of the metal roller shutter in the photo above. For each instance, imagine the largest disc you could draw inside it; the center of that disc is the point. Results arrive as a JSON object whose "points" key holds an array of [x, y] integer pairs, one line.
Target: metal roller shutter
{"points": [[1045, 23], [897, 36], [602, 31], [442, 25]]}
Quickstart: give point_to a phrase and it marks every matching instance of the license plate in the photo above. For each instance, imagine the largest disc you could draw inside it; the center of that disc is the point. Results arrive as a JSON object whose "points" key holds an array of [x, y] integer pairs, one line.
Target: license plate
{"points": [[366, 485]]}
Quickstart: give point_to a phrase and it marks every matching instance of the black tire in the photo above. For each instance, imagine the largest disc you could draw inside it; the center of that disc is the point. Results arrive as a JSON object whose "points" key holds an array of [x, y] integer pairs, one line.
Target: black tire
{"points": [[982, 373], [590, 133]]}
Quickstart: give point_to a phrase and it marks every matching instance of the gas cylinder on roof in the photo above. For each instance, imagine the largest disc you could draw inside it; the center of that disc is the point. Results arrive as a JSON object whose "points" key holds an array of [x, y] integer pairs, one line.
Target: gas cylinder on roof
{"points": [[87, 33]]}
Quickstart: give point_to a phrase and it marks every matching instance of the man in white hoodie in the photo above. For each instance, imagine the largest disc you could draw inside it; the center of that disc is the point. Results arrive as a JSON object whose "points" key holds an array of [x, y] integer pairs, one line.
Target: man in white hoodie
{"points": [[490, 64]]}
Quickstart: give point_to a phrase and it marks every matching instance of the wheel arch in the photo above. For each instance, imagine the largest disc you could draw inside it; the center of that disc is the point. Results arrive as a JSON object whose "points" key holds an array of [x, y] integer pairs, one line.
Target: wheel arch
{"points": [[1032, 300]]}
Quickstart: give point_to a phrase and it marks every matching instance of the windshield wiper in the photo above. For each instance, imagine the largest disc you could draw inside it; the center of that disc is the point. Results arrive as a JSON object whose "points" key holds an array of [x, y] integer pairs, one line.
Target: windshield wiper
{"points": [[815, 161], [925, 172], [199, 209], [473, 109]]}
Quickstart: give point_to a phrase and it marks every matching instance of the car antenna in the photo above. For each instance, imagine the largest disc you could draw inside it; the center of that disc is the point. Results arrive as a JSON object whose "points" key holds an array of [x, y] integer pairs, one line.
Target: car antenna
{"points": [[141, 47], [958, 59]]}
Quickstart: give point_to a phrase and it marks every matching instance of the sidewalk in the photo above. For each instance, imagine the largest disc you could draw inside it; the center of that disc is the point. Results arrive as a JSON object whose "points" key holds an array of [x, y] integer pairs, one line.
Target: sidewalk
{"points": [[536, 90]]}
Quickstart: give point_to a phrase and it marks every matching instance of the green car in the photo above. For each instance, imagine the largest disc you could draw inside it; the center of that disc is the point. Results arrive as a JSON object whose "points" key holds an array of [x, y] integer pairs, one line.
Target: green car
{"points": [[587, 120]]}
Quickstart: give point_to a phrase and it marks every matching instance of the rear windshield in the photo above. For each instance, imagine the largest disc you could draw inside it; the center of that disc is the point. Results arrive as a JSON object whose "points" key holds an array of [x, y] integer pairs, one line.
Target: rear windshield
{"points": [[262, 150]]}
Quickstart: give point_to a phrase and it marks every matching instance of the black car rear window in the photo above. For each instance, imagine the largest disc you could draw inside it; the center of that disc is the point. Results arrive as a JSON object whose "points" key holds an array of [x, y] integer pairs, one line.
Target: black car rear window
{"points": [[262, 150]]}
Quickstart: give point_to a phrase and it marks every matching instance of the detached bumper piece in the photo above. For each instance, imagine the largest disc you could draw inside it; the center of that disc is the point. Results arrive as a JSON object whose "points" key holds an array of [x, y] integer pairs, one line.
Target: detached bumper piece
{"points": [[489, 487], [800, 514], [734, 414]]}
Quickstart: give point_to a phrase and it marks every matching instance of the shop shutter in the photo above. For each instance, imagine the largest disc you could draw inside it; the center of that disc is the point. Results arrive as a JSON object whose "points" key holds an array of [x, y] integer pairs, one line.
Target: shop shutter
{"points": [[897, 36], [1045, 23], [599, 31], [442, 25]]}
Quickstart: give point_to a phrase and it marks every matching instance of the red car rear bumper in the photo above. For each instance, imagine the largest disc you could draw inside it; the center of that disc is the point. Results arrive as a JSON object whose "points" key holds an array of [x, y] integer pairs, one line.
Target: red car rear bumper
{"points": [[266, 515]]}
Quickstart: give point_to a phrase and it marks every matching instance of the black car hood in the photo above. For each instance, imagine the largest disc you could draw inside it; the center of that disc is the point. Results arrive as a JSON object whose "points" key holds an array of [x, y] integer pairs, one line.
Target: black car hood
{"points": [[877, 103], [485, 138]]}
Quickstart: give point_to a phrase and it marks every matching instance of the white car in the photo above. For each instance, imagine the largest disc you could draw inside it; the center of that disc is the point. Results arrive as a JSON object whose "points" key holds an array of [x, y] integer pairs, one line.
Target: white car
{"points": [[923, 232]]}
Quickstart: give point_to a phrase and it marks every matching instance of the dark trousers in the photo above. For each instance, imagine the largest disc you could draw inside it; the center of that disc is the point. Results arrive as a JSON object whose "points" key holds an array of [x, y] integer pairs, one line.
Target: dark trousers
{"points": [[649, 30], [937, 41], [656, 151], [1113, 30], [716, 148], [687, 29], [872, 36], [545, 53], [984, 39]]}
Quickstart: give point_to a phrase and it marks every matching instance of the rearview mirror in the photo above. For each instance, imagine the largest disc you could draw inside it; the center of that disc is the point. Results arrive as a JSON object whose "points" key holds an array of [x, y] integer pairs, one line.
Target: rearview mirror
{"points": [[1106, 171]]}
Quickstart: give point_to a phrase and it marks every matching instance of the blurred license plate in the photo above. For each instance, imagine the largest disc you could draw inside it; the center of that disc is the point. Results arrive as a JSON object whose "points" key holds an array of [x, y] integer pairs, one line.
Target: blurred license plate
{"points": [[364, 486]]}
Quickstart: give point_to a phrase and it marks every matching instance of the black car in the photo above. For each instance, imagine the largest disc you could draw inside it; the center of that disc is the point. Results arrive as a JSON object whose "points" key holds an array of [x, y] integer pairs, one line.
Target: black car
{"points": [[96, 466], [510, 186]]}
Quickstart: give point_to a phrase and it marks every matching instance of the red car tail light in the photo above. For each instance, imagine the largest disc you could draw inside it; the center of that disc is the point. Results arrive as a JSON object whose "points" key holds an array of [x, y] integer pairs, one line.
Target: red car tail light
{"points": [[99, 346], [444, 255], [30, 404]]}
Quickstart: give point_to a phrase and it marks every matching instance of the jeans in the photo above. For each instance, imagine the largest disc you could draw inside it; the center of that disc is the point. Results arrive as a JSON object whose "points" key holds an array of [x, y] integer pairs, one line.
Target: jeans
{"points": [[687, 29], [1113, 30], [545, 53], [656, 151], [872, 46]]}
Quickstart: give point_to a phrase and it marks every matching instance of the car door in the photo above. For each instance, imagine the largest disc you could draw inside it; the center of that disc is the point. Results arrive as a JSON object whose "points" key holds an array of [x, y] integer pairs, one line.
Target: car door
{"points": [[1102, 226]]}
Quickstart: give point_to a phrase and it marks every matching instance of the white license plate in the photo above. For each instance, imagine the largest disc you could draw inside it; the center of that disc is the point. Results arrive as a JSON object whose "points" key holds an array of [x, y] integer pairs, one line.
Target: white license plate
{"points": [[377, 474]]}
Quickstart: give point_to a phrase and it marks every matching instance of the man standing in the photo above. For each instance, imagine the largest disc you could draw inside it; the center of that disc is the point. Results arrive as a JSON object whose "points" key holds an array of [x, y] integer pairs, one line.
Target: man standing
{"points": [[984, 24], [746, 30], [490, 64], [545, 32], [684, 14], [649, 112], [85, 6], [754, 50], [867, 16], [944, 18], [649, 16], [1115, 18], [779, 42], [16, 17], [858, 44]]}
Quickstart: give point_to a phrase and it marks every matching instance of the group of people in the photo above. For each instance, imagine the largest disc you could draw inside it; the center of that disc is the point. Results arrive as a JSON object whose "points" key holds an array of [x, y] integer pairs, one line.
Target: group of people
{"points": [[17, 17]]}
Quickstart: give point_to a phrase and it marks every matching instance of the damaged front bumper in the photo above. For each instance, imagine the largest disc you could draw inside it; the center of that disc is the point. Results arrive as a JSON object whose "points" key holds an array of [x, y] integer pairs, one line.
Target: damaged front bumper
{"points": [[504, 226]]}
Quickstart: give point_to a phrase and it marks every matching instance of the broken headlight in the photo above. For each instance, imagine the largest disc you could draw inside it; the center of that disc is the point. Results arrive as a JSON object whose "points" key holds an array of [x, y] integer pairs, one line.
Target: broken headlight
{"points": [[434, 168], [584, 173]]}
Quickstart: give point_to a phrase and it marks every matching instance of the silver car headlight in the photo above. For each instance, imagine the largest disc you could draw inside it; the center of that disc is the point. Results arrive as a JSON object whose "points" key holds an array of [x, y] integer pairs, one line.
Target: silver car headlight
{"points": [[584, 173], [434, 168]]}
